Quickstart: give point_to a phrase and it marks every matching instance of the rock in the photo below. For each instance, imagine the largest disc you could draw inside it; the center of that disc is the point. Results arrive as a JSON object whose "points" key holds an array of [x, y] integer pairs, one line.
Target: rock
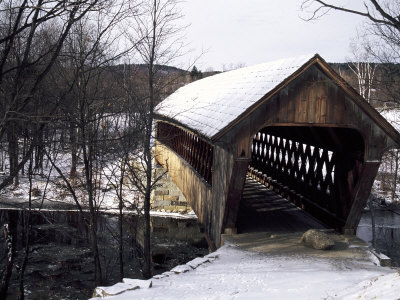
{"points": [[143, 284], [317, 240], [212, 256], [116, 289], [127, 284], [197, 262], [181, 269], [167, 273]]}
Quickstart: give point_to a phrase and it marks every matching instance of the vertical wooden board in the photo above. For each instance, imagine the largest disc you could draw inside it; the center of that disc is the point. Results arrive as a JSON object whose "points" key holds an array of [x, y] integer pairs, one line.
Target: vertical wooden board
{"points": [[311, 105], [273, 110], [321, 108], [360, 195], [330, 108], [338, 106], [222, 173], [291, 105], [283, 109], [304, 104], [299, 95], [300, 100], [235, 189]]}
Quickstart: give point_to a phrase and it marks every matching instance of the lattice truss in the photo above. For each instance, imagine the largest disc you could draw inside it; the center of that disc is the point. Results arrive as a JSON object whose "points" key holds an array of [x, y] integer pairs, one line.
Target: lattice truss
{"points": [[193, 149], [307, 169]]}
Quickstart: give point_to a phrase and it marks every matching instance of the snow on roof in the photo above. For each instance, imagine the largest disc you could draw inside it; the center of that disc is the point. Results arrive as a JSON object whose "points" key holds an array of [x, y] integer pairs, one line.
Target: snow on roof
{"points": [[210, 104]]}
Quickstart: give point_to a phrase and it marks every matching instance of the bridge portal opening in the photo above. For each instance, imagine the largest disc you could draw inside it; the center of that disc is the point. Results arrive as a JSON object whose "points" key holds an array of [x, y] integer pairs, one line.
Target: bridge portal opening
{"points": [[315, 168]]}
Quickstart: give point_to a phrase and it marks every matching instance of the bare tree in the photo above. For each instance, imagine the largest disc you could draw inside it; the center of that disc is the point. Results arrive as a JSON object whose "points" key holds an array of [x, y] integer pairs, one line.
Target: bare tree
{"points": [[377, 11], [363, 68], [32, 34], [162, 42], [382, 23], [84, 64]]}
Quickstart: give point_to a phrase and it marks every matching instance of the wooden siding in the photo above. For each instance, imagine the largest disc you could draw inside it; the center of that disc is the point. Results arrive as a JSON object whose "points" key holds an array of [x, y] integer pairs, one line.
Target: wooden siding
{"points": [[314, 100], [208, 202], [193, 187], [222, 174]]}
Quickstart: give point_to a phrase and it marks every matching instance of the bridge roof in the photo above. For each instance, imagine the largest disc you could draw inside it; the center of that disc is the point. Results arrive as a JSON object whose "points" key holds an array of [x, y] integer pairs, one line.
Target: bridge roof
{"points": [[211, 105]]}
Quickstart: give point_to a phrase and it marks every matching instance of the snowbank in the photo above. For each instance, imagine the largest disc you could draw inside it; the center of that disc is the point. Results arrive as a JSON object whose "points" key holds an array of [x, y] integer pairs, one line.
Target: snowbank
{"points": [[231, 273], [382, 287]]}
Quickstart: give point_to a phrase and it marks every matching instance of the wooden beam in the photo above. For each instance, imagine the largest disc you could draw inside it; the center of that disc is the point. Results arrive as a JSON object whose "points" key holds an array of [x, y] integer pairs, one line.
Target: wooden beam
{"points": [[360, 195], [235, 190]]}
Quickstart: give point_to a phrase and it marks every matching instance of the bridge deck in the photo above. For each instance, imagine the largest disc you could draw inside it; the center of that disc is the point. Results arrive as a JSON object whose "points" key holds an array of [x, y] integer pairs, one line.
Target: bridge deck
{"points": [[263, 210]]}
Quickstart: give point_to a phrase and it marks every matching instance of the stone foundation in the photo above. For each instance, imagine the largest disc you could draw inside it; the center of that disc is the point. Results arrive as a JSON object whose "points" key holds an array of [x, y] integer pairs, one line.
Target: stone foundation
{"points": [[168, 197]]}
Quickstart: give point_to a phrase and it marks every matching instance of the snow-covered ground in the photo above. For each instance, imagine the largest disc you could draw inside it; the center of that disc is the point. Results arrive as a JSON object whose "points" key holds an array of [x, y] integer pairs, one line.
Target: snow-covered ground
{"points": [[234, 273], [51, 192]]}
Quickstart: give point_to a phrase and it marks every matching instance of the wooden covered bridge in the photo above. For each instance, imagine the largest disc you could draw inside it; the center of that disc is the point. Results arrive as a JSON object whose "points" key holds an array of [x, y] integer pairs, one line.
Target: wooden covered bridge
{"points": [[294, 125]]}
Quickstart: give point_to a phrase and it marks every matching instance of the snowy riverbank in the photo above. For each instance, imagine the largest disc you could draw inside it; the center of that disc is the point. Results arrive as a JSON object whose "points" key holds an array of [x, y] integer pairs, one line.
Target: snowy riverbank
{"points": [[234, 273]]}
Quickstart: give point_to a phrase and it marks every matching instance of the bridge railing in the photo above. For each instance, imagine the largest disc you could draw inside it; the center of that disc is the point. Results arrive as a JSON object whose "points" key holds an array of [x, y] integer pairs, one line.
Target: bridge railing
{"points": [[190, 147], [303, 173]]}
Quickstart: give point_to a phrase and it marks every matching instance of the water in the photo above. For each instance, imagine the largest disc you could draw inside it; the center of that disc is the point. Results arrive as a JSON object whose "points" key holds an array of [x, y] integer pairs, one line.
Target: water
{"points": [[60, 262], [387, 232]]}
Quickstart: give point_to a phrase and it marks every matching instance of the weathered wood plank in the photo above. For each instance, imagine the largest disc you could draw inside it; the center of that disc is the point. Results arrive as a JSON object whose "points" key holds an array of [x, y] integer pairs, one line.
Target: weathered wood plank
{"points": [[360, 195], [235, 189]]}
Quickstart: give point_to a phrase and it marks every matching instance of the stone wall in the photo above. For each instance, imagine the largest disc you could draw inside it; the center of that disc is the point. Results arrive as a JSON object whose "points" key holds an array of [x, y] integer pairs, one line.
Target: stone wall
{"points": [[167, 196]]}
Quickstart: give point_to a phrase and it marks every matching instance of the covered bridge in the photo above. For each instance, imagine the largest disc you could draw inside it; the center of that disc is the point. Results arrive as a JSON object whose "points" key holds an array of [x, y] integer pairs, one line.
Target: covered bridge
{"points": [[295, 124]]}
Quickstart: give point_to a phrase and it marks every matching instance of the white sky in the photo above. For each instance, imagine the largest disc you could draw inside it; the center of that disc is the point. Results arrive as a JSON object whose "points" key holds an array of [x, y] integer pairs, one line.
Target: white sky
{"points": [[257, 31]]}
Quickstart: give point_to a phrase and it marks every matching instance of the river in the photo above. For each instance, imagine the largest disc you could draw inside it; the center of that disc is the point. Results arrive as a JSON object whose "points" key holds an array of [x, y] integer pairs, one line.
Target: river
{"points": [[387, 230], [60, 264]]}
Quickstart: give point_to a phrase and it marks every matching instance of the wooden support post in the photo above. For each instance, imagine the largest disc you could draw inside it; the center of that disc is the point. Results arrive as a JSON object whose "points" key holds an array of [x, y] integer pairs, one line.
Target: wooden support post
{"points": [[235, 189], [360, 195]]}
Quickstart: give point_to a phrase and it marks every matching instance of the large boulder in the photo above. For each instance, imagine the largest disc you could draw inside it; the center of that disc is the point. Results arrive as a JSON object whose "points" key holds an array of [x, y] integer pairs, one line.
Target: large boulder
{"points": [[317, 240]]}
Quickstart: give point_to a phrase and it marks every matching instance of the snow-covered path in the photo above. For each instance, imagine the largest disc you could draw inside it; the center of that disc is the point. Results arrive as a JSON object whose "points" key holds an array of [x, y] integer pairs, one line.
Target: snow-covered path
{"points": [[235, 273]]}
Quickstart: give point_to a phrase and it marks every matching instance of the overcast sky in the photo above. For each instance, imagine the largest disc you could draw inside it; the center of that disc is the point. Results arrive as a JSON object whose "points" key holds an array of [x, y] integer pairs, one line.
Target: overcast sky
{"points": [[256, 31]]}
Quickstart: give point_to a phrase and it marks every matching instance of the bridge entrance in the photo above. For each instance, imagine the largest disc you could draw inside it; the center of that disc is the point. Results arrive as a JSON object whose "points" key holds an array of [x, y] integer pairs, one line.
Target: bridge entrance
{"points": [[316, 168]]}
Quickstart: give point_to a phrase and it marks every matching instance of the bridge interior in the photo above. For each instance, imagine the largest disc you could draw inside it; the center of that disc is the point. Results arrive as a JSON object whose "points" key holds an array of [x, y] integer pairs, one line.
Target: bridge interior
{"points": [[315, 168], [263, 210]]}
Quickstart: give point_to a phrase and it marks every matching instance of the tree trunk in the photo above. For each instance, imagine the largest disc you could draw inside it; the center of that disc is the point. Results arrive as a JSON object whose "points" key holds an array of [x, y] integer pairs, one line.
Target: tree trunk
{"points": [[10, 237], [87, 151], [13, 150], [1, 159], [10, 262], [74, 158], [146, 206], [372, 214], [147, 234], [396, 169], [27, 229], [39, 153], [147, 150], [93, 226], [120, 223]]}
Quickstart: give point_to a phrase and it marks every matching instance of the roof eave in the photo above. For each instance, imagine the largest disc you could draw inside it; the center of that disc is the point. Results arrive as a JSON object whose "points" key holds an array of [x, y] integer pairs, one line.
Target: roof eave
{"points": [[361, 102], [354, 95], [266, 97], [172, 121]]}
